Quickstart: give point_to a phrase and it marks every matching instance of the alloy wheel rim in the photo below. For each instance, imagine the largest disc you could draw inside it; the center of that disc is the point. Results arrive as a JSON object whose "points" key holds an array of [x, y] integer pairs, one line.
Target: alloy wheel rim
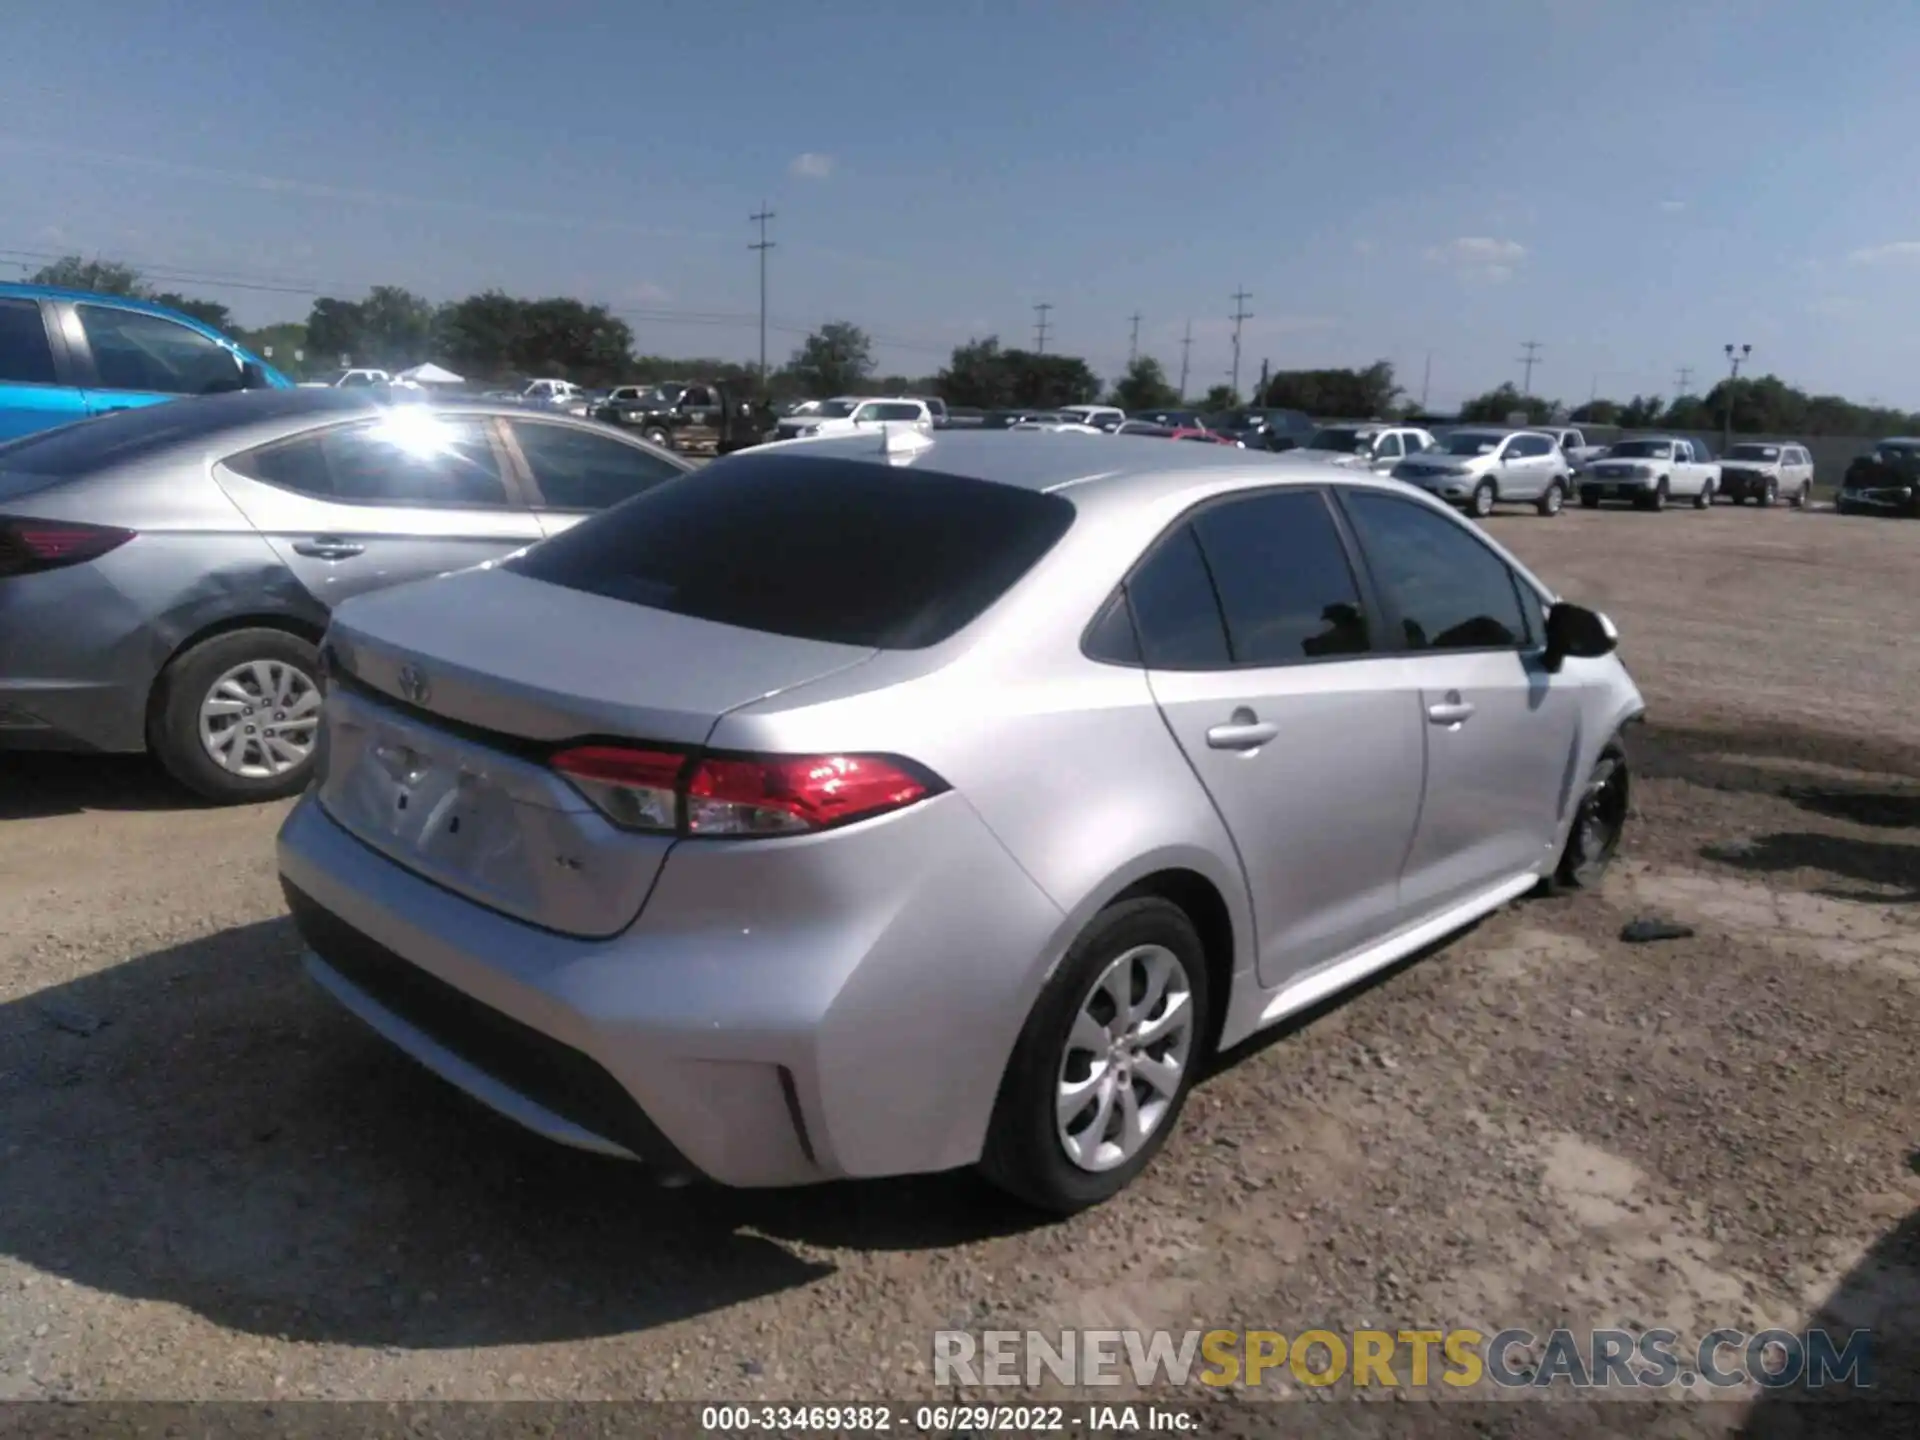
{"points": [[1124, 1058], [259, 720]]}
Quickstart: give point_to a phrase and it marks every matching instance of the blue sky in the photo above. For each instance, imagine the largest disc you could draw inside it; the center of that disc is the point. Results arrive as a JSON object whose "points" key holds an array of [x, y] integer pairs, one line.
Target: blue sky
{"points": [[1631, 183]]}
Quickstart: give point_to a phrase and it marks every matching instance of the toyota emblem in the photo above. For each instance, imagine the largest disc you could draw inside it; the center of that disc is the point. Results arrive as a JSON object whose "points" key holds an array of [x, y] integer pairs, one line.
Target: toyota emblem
{"points": [[414, 688]]}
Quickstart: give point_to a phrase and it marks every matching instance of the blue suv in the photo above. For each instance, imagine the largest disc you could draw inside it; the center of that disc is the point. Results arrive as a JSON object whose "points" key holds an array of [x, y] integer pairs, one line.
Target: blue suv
{"points": [[68, 354]]}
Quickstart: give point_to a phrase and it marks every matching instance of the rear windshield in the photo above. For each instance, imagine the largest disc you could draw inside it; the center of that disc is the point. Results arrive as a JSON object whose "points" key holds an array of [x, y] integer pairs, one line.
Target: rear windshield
{"points": [[821, 549]]}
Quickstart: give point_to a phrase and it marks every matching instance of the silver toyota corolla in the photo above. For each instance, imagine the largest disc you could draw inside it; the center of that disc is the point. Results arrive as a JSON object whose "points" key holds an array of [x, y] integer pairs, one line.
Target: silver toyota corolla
{"points": [[166, 573], [880, 805]]}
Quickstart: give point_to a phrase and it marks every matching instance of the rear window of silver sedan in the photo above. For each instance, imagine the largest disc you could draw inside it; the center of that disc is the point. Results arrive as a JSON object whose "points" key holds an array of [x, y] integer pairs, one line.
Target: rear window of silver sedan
{"points": [[817, 548]]}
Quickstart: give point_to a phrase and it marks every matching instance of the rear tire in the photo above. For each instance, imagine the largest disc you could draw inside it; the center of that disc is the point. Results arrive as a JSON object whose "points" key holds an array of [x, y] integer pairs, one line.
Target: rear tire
{"points": [[1704, 500], [1027, 1151], [654, 435], [1803, 497], [236, 717], [1553, 500], [1589, 501], [1480, 503]]}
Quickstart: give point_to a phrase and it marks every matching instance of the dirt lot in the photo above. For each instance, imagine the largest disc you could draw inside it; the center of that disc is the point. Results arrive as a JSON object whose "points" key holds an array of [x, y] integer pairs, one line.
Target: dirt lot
{"points": [[229, 1190]]}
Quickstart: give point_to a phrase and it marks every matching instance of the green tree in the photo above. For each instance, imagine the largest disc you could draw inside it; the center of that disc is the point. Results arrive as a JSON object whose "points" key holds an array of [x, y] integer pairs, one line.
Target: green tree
{"points": [[1641, 412], [1335, 394], [278, 345], [978, 375], [1220, 397], [76, 272], [1049, 380], [1144, 387], [1504, 400], [335, 329], [1597, 412], [836, 359], [396, 327]]}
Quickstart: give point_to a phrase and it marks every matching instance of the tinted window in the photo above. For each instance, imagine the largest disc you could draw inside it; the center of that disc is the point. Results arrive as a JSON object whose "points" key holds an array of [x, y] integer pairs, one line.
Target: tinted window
{"points": [[1111, 636], [148, 430], [409, 458], [578, 470], [1388, 449], [132, 351], [1450, 591], [26, 356], [1174, 609], [857, 554], [899, 410], [1282, 576]]}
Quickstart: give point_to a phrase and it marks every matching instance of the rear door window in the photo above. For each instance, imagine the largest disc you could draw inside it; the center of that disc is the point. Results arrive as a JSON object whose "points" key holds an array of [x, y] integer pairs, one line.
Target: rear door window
{"points": [[1175, 610], [820, 549], [26, 355], [411, 458]]}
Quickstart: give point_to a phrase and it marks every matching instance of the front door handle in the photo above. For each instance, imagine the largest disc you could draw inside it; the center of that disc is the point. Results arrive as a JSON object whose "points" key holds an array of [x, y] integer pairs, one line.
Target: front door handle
{"points": [[1451, 711], [1245, 731], [329, 547]]}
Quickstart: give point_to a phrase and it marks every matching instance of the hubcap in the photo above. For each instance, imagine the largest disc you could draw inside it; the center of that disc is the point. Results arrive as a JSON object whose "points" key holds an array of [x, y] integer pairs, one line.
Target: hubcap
{"points": [[1125, 1057], [259, 720]]}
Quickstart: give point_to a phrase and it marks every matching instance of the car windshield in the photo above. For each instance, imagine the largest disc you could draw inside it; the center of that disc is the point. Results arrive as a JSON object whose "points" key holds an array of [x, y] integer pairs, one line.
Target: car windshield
{"points": [[1754, 452], [1342, 438], [762, 542], [834, 410], [1471, 442], [1642, 450]]}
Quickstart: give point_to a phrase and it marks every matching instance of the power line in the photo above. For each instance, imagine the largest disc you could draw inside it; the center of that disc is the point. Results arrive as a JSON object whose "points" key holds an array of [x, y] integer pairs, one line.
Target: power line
{"points": [[1040, 328], [1683, 382], [1530, 359], [762, 245], [1240, 314], [1133, 344], [1186, 344]]}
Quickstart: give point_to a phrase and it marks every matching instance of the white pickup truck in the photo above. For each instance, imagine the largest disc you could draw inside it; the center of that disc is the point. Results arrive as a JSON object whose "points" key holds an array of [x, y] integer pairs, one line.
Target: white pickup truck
{"points": [[1650, 470], [1573, 444]]}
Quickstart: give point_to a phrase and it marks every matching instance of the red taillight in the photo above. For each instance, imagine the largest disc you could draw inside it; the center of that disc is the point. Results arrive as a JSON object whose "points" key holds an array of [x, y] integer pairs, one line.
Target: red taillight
{"points": [[656, 790], [27, 546]]}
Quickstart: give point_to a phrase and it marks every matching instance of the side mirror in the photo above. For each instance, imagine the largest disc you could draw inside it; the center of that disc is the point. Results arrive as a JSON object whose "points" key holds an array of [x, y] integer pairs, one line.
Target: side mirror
{"points": [[1577, 632]]}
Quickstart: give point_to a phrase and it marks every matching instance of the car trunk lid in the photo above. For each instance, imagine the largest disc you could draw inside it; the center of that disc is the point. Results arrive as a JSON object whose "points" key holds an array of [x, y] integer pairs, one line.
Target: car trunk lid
{"points": [[447, 698]]}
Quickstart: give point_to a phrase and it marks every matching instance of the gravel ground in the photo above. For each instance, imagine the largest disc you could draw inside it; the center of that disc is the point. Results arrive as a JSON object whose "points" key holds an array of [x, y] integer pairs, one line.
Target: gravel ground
{"points": [[218, 1186]]}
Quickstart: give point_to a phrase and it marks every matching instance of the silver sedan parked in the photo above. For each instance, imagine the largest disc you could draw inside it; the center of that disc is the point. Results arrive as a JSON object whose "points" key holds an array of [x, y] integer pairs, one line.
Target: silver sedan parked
{"points": [[862, 808], [166, 573]]}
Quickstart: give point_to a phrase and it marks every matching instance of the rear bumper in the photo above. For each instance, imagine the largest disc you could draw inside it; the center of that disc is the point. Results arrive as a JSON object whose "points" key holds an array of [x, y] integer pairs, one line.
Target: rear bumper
{"points": [[767, 1021]]}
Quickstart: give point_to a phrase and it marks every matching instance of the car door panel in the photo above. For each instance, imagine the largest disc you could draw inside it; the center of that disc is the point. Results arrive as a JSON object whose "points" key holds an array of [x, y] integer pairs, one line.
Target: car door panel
{"points": [[1498, 730], [1284, 711], [347, 513]]}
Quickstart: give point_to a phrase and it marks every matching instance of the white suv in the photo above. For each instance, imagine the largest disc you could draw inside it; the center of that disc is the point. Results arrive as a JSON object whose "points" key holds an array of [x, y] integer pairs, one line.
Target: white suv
{"points": [[852, 414], [1763, 471]]}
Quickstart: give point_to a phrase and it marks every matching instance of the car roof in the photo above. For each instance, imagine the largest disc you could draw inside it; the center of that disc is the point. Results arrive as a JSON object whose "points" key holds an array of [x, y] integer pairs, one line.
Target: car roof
{"points": [[1097, 468], [14, 291]]}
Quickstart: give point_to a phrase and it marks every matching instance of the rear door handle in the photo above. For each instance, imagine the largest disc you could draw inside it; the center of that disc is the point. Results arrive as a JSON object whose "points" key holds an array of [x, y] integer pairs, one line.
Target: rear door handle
{"points": [[328, 547], [1245, 731], [1451, 711]]}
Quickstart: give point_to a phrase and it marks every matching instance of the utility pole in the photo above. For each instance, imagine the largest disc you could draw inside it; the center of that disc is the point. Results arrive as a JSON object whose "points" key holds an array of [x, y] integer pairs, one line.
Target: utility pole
{"points": [[1040, 328], [1530, 359], [1683, 382], [1735, 359], [1186, 345], [1133, 343], [762, 245], [1240, 314], [1266, 369], [1426, 377]]}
